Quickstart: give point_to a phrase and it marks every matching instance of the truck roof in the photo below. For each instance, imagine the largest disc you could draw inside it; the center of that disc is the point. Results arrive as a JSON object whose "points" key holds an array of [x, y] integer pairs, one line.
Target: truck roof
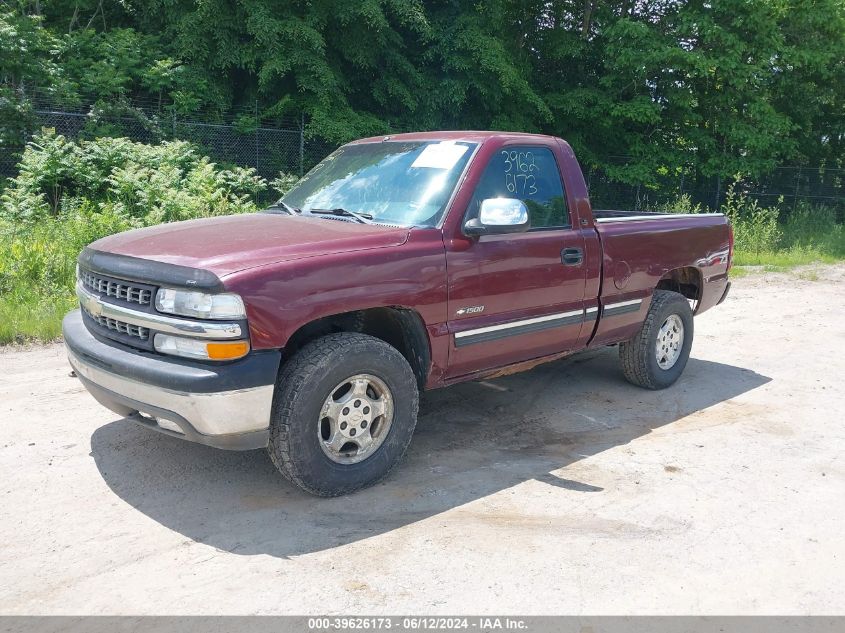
{"points": [[472, 136]]}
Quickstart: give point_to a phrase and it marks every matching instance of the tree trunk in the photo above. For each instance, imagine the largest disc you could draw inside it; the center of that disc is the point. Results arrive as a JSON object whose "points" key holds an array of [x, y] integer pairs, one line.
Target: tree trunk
{"points": [[588, 15]]}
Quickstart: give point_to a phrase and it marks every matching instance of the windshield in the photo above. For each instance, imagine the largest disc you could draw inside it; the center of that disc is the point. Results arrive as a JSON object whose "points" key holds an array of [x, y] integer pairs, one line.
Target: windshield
{"points": [[405, 183]]}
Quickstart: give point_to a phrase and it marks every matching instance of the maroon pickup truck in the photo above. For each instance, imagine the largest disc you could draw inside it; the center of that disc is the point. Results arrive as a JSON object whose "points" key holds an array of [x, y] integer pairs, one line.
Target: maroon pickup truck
{"points": [[398, 263]]}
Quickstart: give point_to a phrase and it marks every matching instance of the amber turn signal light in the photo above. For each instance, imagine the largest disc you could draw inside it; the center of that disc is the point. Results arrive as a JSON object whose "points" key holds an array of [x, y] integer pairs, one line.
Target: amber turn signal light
{"points": [[198, 348], [228, 350]]}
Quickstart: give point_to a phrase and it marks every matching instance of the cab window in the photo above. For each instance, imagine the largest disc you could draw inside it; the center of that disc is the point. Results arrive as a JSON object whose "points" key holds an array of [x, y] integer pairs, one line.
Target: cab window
{"points": [[530, 174]]}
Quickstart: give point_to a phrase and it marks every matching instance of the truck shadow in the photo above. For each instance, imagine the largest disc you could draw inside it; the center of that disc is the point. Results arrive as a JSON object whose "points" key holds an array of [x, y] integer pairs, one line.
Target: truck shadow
{"points": [[472, 440]]}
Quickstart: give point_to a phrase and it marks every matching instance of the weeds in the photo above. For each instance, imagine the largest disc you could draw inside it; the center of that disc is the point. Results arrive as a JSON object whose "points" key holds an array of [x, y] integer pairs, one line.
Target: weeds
{"points": [[773, 238], [68, 194], [755, 228]]}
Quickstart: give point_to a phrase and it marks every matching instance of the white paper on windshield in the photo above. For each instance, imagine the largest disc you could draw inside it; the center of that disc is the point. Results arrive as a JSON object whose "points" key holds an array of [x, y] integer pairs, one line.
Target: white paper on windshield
{"points": [[440, 155]]}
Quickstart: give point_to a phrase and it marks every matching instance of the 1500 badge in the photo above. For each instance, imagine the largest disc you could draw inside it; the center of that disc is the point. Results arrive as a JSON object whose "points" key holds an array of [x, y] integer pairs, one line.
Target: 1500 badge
{"points": [[470, 310]]}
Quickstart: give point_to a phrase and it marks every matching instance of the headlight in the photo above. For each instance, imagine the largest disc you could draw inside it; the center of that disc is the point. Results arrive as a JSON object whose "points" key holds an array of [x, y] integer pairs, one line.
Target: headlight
{"points": [[196, 348], [200, 304]]}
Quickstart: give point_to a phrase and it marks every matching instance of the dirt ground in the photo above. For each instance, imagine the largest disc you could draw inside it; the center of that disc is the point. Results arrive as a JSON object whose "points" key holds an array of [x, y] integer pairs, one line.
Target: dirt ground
{"points": [[562, 490]]}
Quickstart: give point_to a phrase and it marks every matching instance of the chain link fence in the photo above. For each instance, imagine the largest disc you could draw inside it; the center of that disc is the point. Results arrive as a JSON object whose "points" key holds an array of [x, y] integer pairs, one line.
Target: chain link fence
{"points": [[270, 150], [784, 187], [288, 148]]}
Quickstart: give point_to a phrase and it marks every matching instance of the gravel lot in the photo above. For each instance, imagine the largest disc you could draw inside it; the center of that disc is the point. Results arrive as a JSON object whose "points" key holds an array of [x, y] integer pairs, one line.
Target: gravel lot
{"points": [[562, 490]]}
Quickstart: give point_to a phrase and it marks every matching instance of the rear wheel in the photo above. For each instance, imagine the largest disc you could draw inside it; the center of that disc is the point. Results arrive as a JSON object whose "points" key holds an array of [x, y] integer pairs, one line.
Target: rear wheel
{"points": [[656, 356], [344, 410]]}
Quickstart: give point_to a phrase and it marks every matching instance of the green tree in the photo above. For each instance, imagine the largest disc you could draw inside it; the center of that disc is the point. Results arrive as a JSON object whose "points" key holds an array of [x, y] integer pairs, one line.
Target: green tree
{"points": [[28, 63], [642, 89]]}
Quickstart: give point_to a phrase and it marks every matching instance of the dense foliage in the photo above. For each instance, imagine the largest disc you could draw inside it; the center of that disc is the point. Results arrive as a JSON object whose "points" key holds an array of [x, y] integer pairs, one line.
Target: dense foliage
{"points": [[642, 88], [144, 184], [68, 194], [734, 86]]}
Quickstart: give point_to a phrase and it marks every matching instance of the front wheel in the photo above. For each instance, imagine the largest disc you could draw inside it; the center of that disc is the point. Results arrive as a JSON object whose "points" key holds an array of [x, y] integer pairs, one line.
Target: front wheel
{"points": [[656, 356], [344, 410]]}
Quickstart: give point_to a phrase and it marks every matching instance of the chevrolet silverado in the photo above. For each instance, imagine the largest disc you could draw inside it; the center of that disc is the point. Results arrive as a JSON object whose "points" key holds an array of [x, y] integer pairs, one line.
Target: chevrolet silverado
{"points": [[399, 263]]}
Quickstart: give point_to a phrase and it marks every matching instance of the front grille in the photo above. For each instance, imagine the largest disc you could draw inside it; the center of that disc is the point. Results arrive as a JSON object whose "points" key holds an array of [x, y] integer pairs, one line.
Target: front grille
{"points": [[136, 331], [123, 290]]}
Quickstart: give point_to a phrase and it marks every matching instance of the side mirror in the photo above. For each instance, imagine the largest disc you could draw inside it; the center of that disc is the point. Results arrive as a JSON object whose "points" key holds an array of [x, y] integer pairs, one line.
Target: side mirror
{"points": [[497, 216]]}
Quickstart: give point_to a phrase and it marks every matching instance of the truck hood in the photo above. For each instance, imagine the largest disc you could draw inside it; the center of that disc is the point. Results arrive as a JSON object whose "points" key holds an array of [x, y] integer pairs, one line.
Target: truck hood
{"points": [[227, 244]]}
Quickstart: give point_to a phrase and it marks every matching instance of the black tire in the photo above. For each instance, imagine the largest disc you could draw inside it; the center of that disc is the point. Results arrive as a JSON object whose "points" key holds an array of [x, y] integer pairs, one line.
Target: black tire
{"points": [[638, 357], [304, 383]]}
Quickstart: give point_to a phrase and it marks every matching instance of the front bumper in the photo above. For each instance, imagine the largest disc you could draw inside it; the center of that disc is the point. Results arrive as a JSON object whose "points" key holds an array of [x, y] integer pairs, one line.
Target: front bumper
{"points": [[225, 406]]}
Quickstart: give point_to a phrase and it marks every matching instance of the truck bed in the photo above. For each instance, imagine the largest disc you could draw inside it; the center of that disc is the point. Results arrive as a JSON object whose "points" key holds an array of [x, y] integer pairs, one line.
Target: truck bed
{"points": [[638, 249]]}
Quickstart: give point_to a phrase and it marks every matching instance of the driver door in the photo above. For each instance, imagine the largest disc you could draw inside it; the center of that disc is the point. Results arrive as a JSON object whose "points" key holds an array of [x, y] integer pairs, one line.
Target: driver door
{"points": [[516, 297]]}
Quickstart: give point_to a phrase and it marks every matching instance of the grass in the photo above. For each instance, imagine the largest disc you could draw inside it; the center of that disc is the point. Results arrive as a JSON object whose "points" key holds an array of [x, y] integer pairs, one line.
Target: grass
{"points": [[786, 258], [37, 261], [797, 247], [807, 235], [32, 318], [27, 315], [68, 194], [809, 275], [37, 275], [739, 271]]}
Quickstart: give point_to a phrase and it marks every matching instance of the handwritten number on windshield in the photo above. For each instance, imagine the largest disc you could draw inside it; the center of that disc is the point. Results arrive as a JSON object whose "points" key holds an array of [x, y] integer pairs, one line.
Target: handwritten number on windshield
{"points": [[519, 172]]}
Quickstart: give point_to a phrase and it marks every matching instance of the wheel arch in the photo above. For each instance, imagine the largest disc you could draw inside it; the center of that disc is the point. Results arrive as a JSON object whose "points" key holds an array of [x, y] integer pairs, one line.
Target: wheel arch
{"points": [[686, 281], [402, 328]]}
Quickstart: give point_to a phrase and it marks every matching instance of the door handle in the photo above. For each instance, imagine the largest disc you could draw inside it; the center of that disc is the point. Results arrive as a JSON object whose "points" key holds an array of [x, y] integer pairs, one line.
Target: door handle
{"points": [[571, 256]]}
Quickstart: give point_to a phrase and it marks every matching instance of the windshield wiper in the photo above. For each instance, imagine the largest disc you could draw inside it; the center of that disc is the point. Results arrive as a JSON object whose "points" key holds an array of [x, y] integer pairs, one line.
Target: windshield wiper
{"points": [[363, 218], [280, 205]]}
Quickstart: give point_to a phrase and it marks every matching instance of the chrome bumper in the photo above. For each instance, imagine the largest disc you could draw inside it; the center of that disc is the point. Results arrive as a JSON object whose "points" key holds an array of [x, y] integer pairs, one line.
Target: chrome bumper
{"points": [[133, 385]]}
